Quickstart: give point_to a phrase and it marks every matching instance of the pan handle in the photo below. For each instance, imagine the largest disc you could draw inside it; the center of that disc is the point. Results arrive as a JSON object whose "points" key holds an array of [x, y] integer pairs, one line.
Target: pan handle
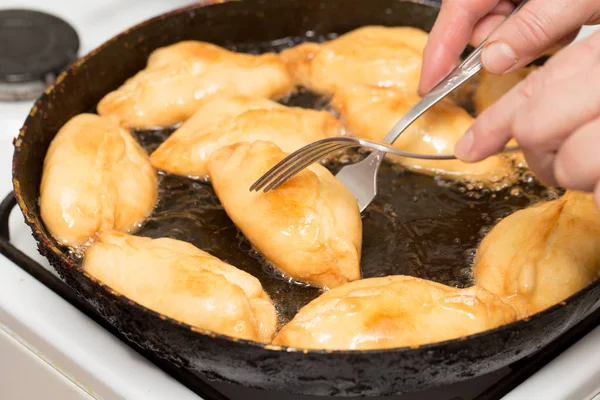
{"points": [[9, 202], [25, 262]]}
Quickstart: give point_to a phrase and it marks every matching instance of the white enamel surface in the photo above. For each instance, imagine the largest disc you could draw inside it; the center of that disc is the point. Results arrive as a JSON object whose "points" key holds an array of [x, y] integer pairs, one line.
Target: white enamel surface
{"points": [[26, 367], [71, 357], [63, 342]]}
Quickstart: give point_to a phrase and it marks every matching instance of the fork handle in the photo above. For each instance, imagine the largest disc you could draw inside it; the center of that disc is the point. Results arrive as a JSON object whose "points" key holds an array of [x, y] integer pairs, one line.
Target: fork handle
{"points": [[469, 67]]}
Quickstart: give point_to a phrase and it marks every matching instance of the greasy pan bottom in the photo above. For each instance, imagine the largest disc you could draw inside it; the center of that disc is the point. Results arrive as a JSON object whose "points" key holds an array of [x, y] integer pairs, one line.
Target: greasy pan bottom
{"points": [[416, 226]]}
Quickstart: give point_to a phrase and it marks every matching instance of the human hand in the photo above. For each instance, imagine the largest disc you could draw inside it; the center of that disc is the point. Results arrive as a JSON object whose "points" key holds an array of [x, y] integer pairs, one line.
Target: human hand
{"points": [[554, 115], [537, 27]]}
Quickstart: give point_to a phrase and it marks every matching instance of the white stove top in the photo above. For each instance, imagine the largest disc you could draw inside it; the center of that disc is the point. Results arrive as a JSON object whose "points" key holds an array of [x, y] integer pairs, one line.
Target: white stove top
{"points": [[51, 350]]}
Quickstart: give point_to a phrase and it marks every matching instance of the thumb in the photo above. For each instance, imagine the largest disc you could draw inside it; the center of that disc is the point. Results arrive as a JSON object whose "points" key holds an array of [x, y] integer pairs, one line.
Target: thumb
{"points": [[532, 30]]}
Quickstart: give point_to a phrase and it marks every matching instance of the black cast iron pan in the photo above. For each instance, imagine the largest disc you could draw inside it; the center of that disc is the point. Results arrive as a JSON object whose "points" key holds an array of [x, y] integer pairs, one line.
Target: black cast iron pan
{"points": [[428, 230]]}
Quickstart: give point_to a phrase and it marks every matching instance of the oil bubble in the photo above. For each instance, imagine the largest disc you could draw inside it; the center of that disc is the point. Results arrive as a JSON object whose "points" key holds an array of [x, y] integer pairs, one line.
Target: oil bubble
{"points": [[517, 192]]}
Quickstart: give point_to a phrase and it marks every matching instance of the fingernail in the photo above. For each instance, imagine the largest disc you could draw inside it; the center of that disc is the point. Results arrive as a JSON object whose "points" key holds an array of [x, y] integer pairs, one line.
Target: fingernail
{"points": [[498, 57], [464, 146]]}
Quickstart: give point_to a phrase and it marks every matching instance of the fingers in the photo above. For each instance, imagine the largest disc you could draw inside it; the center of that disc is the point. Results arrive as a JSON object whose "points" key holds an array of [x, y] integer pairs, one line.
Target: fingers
{"points": [[586, 52], [597, 194], [490, 22], [532, 30], [491, 130], [536, 28], [563, 42], [483, 28], [545, 120], [577, 163], [538, 111], [449, 37]]}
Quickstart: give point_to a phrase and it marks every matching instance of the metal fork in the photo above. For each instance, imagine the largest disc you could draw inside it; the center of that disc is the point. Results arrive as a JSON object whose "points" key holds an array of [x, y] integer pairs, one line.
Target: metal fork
{"points": [[361, 178], [307, 155]]}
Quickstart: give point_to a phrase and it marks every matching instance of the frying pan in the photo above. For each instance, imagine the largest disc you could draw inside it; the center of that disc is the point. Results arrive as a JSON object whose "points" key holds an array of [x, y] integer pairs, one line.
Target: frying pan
{"points": [[226, 359]]}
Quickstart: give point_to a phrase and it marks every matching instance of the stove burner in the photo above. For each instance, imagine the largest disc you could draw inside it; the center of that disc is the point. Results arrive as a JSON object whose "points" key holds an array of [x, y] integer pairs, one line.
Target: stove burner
{"points": [[34, 48]]}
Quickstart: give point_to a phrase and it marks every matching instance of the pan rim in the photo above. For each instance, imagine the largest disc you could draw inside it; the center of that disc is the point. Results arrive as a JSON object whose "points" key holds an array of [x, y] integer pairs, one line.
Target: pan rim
{"points": [[43, 238]]}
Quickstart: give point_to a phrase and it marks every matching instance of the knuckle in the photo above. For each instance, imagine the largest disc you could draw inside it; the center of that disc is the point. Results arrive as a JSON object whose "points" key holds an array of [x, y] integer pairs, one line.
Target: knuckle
{"points": [[534, 82], [526, 89], [533, 27]]}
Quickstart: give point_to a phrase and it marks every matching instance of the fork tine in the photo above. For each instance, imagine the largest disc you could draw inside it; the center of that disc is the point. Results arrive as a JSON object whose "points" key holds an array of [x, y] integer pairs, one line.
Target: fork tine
{"points": [[284, 163], [300, 159], [289, 161], [299, 166]]}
